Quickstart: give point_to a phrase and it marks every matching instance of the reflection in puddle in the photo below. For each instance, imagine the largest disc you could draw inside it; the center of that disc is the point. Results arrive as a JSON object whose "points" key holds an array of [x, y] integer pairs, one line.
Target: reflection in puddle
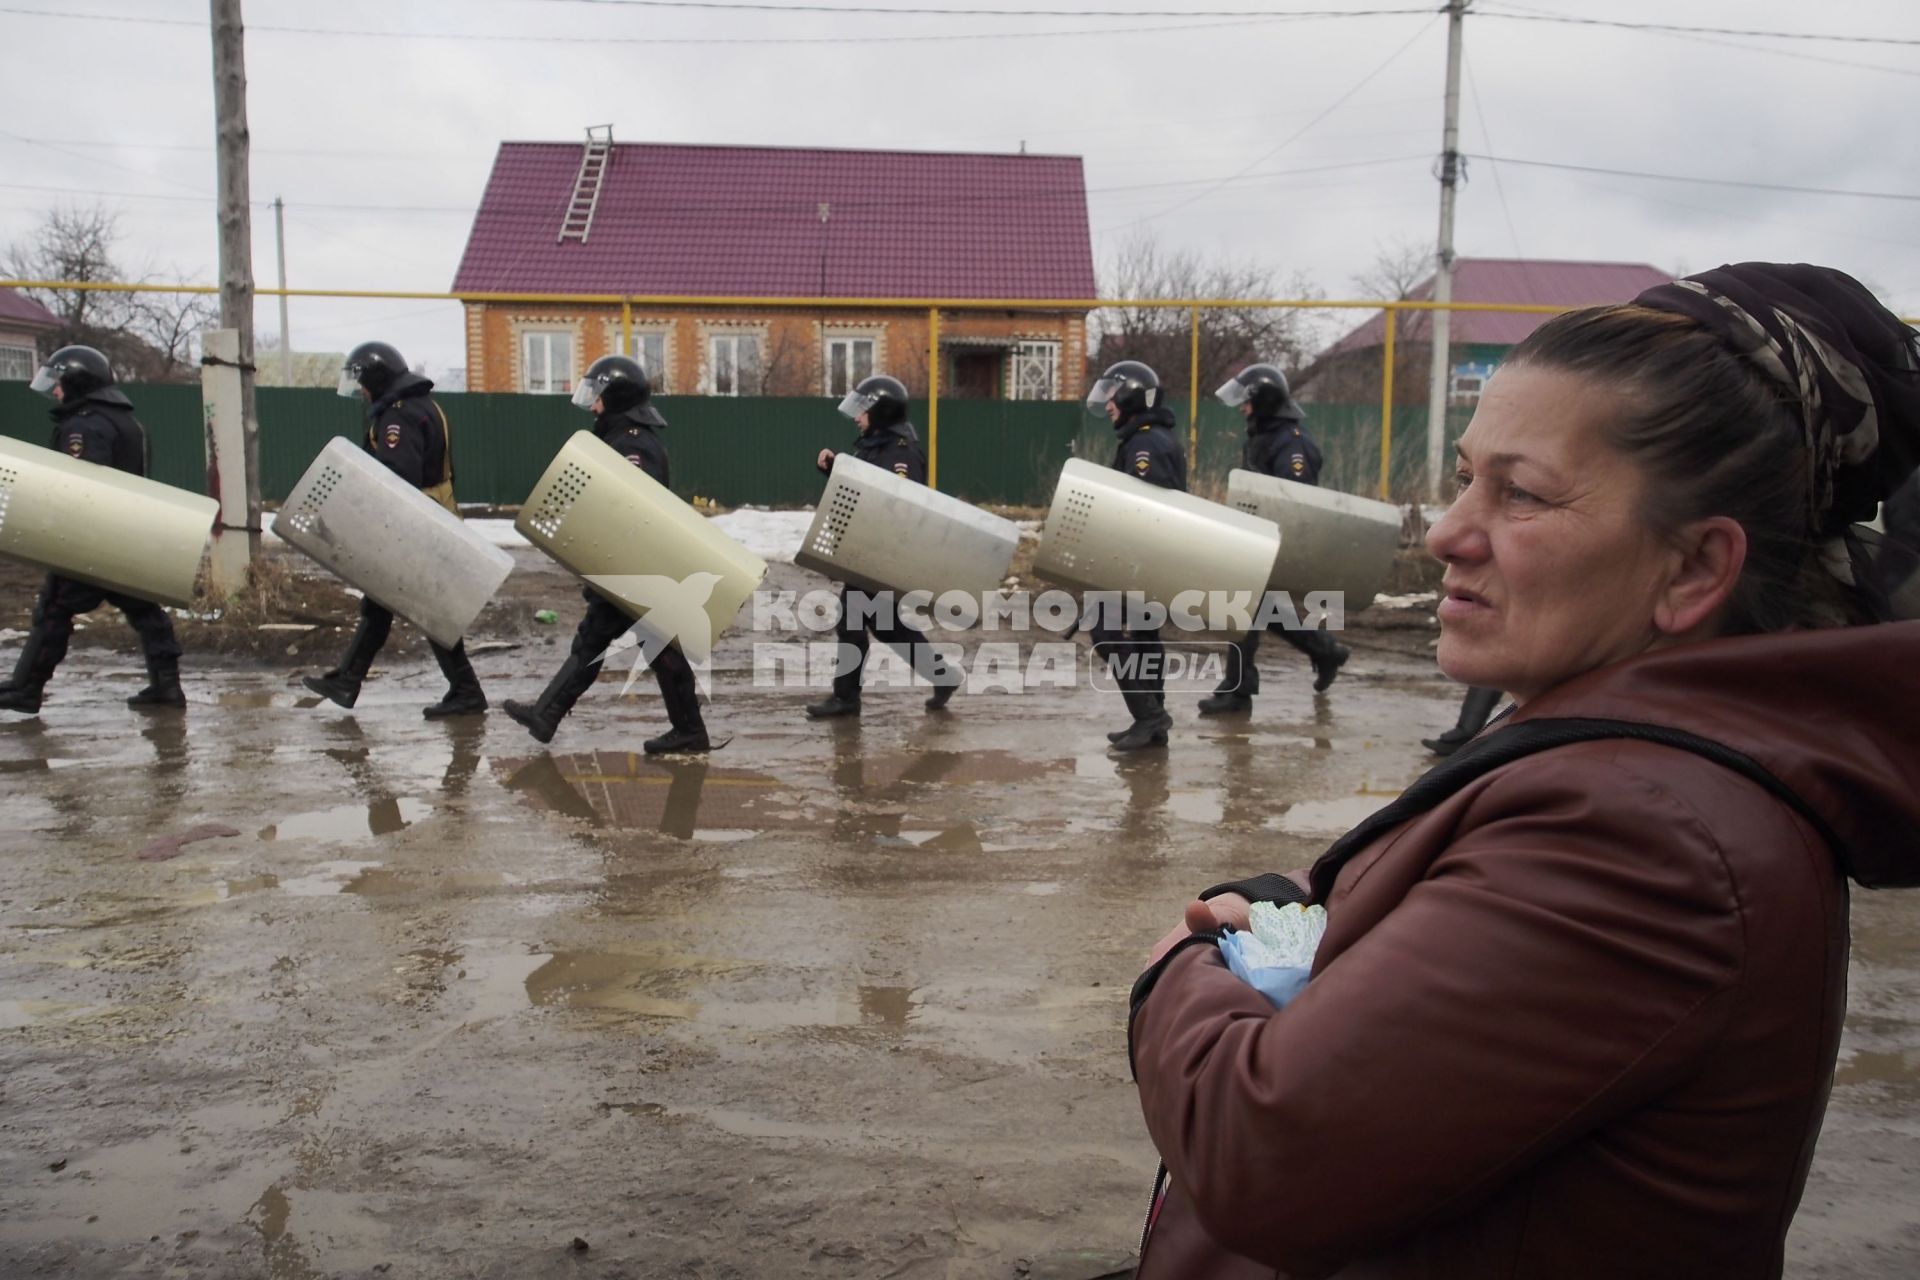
{"points": [[1897, 1072], [378, 881], [327, 878], [245, 701], [688, 800], [1205, 807], [349, 822], [1317, 817]]}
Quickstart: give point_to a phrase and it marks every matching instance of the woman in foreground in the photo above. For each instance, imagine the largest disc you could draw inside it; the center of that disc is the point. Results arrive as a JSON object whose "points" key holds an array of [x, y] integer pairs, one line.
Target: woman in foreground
{"points": [[1579, 998]]}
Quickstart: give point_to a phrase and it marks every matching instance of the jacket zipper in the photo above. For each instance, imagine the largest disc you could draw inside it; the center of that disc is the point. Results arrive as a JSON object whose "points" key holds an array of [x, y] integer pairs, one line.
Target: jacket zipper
{"points": [[1153, 1203]]}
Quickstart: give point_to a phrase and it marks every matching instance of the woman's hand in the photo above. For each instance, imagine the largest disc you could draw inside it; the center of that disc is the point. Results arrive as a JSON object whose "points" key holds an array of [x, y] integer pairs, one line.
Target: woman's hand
{"points": [[1201, 917], [825, 460]]}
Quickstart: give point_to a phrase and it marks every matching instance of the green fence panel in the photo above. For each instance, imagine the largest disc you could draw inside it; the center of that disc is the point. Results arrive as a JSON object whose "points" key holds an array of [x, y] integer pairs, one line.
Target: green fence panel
{"points": [[757, 450]]}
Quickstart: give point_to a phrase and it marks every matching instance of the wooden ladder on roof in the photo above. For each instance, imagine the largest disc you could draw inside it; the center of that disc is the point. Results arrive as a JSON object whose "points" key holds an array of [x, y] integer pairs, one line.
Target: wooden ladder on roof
{"points": [[586, 185]]}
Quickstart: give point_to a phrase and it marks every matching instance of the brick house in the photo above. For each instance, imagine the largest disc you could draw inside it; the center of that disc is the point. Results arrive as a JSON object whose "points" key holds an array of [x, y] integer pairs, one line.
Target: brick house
{"points": [[652, 219], [26, 328], [1348, 372]]}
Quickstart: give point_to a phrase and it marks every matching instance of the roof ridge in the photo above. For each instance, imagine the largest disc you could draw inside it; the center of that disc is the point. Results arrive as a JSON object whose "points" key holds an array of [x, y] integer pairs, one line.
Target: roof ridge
{"points": [[786, 146]]}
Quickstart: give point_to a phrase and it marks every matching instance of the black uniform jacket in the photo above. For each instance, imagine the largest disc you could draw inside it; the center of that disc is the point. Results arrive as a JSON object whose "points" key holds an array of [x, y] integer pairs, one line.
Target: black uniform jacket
{"points": [[1147, 447], [408, 433], [896, 448], [100, 427], [636, 439], [1277, 447]]}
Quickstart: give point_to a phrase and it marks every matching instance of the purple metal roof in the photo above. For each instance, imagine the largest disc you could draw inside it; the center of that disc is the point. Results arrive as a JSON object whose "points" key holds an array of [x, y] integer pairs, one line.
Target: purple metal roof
{"points": [[18, 309], [1562, 284], [733, 221]]}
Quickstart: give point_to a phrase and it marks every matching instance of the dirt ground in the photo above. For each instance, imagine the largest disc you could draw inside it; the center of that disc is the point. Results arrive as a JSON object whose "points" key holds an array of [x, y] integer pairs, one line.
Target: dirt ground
{"points": [[842, 1000]]}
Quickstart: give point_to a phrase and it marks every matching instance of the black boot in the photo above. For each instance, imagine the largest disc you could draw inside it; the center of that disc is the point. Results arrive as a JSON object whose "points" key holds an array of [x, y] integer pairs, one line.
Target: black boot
{"points": [[1234, 694], [942, 694], [1327, 661], [833, 707], [541, 718], [342, 684], [163, 685], [22, 692], [1150, 722], [1475, 710], [464, 696], [681, 693]]}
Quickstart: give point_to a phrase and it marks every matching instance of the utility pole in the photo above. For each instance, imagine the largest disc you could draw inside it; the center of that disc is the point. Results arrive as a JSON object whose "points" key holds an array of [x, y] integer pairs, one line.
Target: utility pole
{"points": [[280, 253], [1441, 380], [233, 425]]}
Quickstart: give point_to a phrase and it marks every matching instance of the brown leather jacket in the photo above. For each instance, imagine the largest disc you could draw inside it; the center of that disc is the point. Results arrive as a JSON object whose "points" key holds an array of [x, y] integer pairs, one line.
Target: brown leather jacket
{"points": [[1578, 1020]]}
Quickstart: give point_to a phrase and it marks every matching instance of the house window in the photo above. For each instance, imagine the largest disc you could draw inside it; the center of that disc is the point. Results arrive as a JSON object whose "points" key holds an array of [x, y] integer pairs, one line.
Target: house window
{"points": [[733, 364], [1036, 371], [16, 364], [849, 363], [650, 350], [546, 362]]}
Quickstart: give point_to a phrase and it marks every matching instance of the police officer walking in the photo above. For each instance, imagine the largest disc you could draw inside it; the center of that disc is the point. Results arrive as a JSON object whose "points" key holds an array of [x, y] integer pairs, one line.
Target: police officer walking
{"points": [[1145, 445], [1276, 446], [878, 406], [408, 433], [92, 421], [617, 391]]}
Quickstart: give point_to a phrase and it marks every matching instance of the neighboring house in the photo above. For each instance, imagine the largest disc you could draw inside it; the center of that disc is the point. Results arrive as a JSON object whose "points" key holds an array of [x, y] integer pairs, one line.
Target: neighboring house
{"points": [[1349, 371], [26, 328], [650, 219], [297, 368]]}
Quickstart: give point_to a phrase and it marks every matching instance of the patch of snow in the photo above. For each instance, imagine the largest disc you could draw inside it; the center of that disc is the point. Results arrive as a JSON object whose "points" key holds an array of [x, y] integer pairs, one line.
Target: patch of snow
{"points": [[1406, 602], [772, 535]]}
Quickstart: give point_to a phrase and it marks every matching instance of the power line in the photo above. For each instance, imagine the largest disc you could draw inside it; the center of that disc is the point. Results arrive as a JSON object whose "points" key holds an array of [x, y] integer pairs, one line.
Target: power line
{"points": [[1506, 210], [1676, 29], [920, 11], [1709, 182]]}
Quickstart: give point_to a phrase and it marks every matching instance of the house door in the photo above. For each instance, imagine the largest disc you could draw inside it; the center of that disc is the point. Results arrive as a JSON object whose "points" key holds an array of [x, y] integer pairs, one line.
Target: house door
{"points": [[976, 375]]}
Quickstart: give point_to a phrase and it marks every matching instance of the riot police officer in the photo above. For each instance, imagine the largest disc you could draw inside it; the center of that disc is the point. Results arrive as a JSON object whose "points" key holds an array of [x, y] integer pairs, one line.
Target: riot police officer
{"points": [[408, 433], [878, 406], [1276, 446], [92, 421], [619, 394], [1130, 396]]}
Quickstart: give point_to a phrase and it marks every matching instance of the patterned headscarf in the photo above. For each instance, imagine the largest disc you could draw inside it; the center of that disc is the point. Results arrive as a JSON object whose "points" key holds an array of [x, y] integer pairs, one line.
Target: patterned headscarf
{"points": [[1849, 366]]}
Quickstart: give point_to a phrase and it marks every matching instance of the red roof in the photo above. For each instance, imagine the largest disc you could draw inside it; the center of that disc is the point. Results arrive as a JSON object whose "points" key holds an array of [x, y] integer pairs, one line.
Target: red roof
{"points": [[700, 220], [18, 309], [1561, 284]]}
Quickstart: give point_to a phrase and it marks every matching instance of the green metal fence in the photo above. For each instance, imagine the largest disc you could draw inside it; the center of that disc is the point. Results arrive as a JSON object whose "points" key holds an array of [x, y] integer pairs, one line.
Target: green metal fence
{"points": [[736, 450]]}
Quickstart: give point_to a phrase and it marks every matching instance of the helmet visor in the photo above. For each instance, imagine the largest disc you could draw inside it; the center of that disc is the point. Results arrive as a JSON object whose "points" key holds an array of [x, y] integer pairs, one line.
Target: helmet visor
{"points": [[856, 404], [1233, 393], [587, 390], [349, 382], [1104, 390], [44, 381]]}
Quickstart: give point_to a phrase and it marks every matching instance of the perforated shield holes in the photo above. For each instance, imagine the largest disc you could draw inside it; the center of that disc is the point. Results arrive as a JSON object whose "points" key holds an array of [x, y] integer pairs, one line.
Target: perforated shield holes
{"points": [[1074, 515], [840, 509], [558, 501], [8, 478]]}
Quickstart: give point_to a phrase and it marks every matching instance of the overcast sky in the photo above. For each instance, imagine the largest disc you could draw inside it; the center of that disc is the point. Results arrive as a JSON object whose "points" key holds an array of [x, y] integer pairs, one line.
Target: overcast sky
{"points": [[381, 143]]}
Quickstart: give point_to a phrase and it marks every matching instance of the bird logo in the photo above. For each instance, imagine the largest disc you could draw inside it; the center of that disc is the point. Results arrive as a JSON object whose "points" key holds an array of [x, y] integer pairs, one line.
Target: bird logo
{"points": [[671, 611]]}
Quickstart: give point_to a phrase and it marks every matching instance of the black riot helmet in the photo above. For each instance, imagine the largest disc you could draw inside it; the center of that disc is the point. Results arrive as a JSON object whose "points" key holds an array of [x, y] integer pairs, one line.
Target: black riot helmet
{"points": [[1130, 385], [373, 365], [75, 370], [882, 399], [619, 384], [1266, 387]]}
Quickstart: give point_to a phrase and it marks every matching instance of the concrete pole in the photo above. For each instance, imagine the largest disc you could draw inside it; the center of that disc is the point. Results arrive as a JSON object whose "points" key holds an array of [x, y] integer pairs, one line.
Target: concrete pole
{"points": [[1443, 274], [280, 253], [233, 431]]}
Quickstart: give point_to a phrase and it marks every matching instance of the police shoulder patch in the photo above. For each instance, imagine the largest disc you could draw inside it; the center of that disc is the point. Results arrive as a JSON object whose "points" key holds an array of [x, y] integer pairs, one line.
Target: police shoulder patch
{"points": [[900, 468], [634, 458], [1299, 464], [76, 443], [393, 436]]}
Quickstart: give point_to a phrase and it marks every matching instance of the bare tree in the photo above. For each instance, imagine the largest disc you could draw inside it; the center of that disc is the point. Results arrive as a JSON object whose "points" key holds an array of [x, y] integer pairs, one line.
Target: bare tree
{"points": [[784, 366], [1398, 271], [1230, 337], [149, 337]]}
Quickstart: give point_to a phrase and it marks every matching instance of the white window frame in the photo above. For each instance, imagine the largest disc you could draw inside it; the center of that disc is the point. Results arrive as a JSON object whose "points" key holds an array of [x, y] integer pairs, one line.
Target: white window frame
{"points": [[732, 339], [1020, 361], [845, 362], [30, 366], [657, 375], [545, 340]]}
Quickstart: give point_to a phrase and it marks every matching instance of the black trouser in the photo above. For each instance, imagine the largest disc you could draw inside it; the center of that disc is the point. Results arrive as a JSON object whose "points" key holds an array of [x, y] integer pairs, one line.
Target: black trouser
{"points": [[376, 624], [64, 599], [600, 627], [1243, 676], [1137, 660], [877, 615]]}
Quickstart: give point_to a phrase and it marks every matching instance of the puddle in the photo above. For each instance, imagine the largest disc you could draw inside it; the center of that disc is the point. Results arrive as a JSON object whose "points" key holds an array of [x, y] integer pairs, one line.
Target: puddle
{"points": [[253, 701], [379, 882], [15, 1014], [350, 822], [325, 879], [1042, 888], [1205, 807], [1897, 1071], [1318, 817], [626, 791]]}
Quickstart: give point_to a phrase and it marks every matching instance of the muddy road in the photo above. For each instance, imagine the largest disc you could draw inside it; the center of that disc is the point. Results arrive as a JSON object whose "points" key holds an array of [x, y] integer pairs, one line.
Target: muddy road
{"points": [[393, 997]]}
